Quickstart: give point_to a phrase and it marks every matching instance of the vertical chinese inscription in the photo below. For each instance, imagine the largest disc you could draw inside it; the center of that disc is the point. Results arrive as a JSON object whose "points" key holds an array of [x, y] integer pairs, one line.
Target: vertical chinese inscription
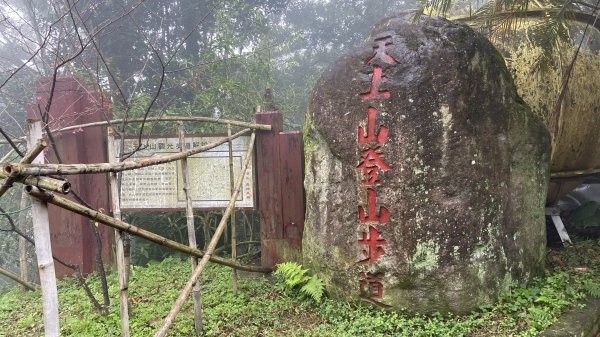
{"points": [[371, 141]]}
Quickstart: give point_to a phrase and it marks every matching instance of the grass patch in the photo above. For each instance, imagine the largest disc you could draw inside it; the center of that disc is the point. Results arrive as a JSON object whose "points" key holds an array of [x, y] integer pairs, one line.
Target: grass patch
{"points": [[264, 307]]}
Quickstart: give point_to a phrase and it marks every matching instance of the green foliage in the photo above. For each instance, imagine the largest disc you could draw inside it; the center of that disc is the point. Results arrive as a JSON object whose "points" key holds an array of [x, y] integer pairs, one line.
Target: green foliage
{"points": [[261, 308], [314, 288], [542, 302], [294, 275], [592, 288], [172, 225], [9, 241]]}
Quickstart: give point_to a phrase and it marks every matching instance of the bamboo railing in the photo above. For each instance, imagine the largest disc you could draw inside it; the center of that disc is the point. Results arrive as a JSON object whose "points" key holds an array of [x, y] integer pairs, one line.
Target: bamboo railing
{"points": [[185, 292], [253, 126], [43, 190], [69, 169]]}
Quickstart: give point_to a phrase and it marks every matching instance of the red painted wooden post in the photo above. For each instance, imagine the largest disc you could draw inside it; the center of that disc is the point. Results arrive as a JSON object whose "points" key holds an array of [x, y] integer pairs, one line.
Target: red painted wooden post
{"points": [[71, 235], [269, 186], [279, 166], [291, 156]]}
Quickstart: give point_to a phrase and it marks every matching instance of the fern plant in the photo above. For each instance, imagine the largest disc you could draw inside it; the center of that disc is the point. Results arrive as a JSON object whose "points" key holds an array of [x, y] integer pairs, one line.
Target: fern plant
{"points": [[294, 276], [592, 288], [314, 288]]}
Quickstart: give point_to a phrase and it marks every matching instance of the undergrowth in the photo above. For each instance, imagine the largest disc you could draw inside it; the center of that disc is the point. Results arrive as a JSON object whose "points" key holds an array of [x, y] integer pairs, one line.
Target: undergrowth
{"points": [[264, 307], [293, 275]]}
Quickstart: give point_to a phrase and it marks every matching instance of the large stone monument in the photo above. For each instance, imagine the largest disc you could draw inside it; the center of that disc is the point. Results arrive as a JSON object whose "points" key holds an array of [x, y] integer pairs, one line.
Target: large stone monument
{"points": [[425, 173]]}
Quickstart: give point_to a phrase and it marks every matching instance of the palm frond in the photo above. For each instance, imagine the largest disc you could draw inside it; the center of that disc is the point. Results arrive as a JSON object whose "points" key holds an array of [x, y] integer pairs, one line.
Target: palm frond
{"points": [[433, 7], [552, 30]]}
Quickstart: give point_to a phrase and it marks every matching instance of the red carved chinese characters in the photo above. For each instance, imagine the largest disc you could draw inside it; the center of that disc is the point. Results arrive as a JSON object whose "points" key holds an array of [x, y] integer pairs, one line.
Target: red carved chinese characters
{"points": [[371, 143], [370, 285], [380, 217], [373, 246], [370, 165], [381, 52], [376, 79], [371, 137]]}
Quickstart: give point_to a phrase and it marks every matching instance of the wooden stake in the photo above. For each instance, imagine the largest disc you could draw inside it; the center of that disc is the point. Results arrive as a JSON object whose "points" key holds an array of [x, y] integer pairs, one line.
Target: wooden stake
{"points": [[66, 169], [17, 279], [43, 249], [133, 230], [185, 292], [234, 275], [122, 260], [22, 242], [189, 215]]}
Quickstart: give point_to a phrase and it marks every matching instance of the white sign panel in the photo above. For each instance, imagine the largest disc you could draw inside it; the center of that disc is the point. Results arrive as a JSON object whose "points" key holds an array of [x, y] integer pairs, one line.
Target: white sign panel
{"points": [[161, 186]]}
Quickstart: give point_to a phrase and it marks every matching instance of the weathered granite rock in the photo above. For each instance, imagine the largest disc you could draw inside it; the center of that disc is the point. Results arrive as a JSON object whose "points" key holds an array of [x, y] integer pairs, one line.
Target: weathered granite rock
{"points": [[455, 159]]}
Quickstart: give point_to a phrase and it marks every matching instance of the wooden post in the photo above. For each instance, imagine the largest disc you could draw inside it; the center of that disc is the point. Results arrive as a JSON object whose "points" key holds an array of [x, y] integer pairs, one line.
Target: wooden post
{"points": [[291, 158], [279, 166], [122, 259], [269, 187], [72, 236], [189, 215], [22, 242], [234, 276], [43, 249]]}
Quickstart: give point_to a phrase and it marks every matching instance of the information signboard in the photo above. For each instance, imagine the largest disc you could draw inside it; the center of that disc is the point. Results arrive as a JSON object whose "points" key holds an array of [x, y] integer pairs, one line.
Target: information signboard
{"points": [[160, 187]]}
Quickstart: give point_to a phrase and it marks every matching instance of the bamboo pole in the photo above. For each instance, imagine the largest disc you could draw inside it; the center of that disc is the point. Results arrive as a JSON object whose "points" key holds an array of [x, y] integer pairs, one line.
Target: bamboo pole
{"points": [[43, 249], [6, 156], [122, 263], [153, 119], [133, 230], [168, 119], [568, 174], [234, 276], [19, 140], [66, 169], [22, 242], [34, 151], [185, 292], [44, 183], [189, 215], [29, 156], [17, 279]]}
